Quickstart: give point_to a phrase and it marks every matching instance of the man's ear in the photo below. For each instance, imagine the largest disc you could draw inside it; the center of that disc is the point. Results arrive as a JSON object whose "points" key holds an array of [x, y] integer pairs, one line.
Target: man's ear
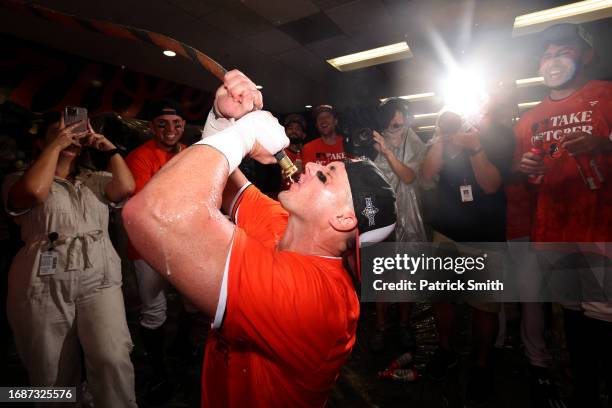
{"points": [[152, 127], [343, 222]]}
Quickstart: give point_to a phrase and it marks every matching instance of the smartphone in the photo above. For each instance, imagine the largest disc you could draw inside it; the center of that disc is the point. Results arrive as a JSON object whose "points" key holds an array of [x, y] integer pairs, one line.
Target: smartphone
{"points": [[74, 114]]}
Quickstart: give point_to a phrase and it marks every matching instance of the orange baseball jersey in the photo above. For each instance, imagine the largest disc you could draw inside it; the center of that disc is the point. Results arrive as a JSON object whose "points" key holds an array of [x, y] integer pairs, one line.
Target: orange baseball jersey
{"points": [[144, 162], [318, 151], [565, 209], [290, 319]]}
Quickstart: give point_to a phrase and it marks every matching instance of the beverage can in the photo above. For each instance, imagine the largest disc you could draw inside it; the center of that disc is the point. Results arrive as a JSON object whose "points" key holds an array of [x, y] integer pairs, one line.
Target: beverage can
{"points": [[402, 375]]}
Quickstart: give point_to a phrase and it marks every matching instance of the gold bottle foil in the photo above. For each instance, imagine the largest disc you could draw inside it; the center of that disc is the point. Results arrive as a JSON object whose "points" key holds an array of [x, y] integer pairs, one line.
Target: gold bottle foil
{"points": [[288, 169]]}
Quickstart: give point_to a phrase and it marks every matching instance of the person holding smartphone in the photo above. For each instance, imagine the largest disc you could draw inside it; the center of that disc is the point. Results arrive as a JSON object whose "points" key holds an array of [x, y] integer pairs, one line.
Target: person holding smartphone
{"points": [[64, 291]]}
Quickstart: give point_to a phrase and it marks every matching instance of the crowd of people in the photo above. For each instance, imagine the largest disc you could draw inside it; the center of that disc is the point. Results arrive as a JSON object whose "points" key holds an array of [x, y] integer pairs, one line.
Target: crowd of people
{"points": [[284, 309]]}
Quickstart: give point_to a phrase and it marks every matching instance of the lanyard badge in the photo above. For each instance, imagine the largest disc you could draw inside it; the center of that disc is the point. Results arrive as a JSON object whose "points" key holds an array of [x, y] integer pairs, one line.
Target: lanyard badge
{"points": [[49, 258], [48, 262], [465, 191]]}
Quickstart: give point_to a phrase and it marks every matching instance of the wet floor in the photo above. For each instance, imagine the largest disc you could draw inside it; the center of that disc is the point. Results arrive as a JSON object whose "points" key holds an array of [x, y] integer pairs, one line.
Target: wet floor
{"points": [[359, 384]]}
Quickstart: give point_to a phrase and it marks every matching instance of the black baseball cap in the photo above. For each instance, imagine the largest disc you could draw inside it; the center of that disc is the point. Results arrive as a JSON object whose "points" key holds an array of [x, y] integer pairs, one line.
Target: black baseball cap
{"points": [[295, 118], [163, 107], [373, 203], [565, 33]]}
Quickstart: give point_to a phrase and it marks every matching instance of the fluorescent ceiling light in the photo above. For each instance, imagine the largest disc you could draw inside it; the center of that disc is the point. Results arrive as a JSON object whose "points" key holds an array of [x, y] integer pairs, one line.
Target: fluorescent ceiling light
{"points": [[579, 12], [528, 104], [258, 87], [414, 97], [308, 106], [375, 56], [169, 53], [521, 83], [430, 127], [426, 115]]}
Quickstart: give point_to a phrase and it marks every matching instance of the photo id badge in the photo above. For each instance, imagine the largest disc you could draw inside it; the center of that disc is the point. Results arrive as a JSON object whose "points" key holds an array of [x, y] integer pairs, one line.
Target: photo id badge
{"points": [[48, 263], [466, 193]]}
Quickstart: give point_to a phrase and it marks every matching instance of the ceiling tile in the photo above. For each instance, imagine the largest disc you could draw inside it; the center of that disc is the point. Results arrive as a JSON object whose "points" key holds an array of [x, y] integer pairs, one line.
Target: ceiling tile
{"points": [[362, 16], [313, 28], [327, 4], [281, 12], [272, 42], [333, 47], [238, 20], [196, 8], [305, 62]]}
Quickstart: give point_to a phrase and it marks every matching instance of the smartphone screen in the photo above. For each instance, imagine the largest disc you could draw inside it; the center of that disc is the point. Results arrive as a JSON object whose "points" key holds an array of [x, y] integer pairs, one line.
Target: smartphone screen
{"points": [[74, 114]]}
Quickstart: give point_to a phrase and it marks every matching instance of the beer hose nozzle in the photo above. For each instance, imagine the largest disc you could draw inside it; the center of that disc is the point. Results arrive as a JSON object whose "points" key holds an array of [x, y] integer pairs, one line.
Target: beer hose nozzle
{"points": [[288, 169]]}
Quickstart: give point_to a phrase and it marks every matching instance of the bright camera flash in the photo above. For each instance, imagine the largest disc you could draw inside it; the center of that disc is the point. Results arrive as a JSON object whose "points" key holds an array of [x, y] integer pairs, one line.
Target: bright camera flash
{"points": [[464, 92]]}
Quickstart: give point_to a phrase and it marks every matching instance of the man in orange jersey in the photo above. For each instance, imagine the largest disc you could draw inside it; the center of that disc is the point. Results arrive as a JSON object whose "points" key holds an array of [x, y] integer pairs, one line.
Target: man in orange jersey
{"points": [[167, 126], [285, 310]]}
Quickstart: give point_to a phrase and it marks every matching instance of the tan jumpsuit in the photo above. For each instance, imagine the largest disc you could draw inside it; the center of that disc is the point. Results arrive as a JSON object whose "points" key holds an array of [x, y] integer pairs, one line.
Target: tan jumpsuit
{"points": [[81, 303]]}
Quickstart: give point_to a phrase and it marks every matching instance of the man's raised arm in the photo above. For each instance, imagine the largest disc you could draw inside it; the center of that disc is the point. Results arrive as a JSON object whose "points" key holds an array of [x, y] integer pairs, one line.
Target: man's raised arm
{"points": [[175, 221]]}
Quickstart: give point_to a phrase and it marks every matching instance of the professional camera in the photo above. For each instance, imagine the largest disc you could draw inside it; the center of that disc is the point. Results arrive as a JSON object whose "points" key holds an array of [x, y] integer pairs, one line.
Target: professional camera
{"points": [[360, 143]]}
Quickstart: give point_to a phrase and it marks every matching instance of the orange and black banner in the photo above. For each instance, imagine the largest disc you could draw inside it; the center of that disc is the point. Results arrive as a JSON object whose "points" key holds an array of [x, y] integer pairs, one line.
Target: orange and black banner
{"points": [[119, 31]]}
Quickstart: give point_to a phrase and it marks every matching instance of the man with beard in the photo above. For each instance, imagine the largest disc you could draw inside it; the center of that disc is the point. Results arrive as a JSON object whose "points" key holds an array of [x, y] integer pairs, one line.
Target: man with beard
{"points": [[167, 127], [573, 122], [295, 129], [330, 146]]}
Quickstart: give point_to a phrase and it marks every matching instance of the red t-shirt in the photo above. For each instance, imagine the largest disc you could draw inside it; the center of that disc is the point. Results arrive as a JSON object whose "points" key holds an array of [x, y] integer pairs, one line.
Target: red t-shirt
{"points": [[290, 319], [518, 210], [318, 151], [565, 210], [144, 162], [293, 155]]}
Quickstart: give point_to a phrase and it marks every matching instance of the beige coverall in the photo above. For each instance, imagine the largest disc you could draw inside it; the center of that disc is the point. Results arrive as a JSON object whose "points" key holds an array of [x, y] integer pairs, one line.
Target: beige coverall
{"points": [[81, 303]]}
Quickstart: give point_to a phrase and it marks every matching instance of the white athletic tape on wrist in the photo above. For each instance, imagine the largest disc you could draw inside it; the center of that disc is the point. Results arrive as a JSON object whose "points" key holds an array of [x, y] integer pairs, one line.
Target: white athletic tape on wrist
{"points": [[236, 141], [266, 129], [232, 144]]}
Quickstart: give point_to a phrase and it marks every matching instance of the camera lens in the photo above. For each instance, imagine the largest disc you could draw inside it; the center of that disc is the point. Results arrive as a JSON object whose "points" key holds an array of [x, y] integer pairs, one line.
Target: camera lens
{"points": [[364, 137]]}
